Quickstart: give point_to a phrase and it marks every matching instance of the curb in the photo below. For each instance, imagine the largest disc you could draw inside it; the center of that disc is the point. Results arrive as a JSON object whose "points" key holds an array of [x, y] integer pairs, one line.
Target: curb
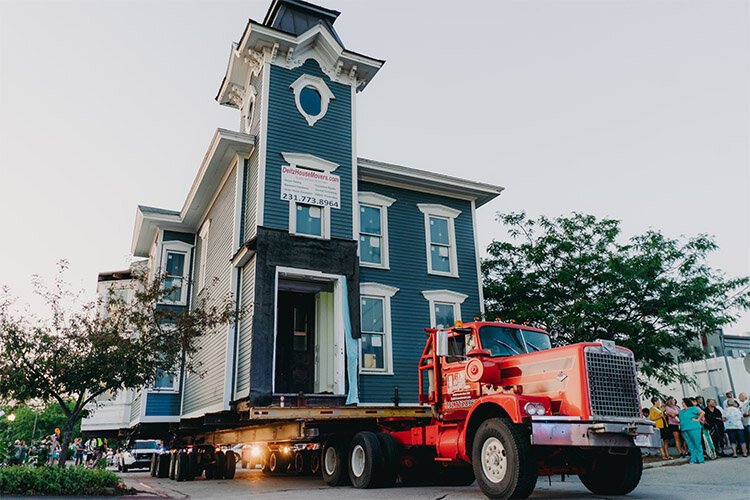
{"points": [[665, 463]]}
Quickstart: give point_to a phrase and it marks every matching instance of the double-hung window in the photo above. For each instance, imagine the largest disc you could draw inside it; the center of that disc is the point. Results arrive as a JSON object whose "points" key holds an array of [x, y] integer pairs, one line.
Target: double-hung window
{"points": [[311, 189], [440, 239], [376, 340], [165, 381], [175, 266], [445, 307], [373, 229], [308, 220]]}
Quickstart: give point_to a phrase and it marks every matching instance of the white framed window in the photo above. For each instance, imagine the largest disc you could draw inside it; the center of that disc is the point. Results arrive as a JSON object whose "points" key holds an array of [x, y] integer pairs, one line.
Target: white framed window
{"points": [[373, 230], [203, 254], [175, 266], [165, 382], [440, 239], [248, 108], [445, 307], [375, 343], [305, 219], [312, 96]]}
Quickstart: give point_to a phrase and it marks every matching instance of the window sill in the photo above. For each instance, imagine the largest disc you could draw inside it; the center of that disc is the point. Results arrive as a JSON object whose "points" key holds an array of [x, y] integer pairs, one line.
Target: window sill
{"points": [[313, 237], [370, 265], [164, 303], [162, 391], [373, 372], [440, 273]]}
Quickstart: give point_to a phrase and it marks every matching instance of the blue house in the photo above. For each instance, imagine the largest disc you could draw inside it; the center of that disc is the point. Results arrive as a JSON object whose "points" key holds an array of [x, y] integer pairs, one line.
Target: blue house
{"points": [[337, 262]]}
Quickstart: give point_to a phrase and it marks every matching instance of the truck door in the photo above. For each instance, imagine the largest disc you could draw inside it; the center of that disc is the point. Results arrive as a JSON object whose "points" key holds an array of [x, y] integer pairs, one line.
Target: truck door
{"points": [[458, 393]]}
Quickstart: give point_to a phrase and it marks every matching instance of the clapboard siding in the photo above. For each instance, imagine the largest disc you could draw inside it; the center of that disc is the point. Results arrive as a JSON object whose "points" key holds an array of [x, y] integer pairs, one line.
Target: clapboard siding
{"points": [[210, 360], [410, 312], [162, 404], [330, 138], [135, 407], [251, 199], [244, 342]]}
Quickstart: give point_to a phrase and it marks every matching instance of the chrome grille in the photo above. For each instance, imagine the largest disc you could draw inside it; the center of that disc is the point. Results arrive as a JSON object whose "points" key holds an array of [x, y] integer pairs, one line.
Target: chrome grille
{"points": [[613, 386]]}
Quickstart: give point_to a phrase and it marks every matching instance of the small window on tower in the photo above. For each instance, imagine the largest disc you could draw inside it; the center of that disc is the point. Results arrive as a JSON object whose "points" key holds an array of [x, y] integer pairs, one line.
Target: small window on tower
{"points": [[309, 99]]}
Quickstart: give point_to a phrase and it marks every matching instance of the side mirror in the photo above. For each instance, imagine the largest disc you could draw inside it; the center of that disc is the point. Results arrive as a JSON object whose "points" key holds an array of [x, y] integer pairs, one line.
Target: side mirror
{"points": [[441, 343]]}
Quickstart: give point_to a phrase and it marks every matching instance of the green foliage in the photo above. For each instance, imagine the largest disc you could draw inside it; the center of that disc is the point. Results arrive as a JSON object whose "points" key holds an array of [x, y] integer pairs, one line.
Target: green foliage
{"points": [[56, 481], [85, 351], [652, 294], [49, 418]]}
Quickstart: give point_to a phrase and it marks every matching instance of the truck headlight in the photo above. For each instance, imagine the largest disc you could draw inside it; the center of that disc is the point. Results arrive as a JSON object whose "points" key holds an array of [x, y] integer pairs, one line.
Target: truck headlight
{"points": [[532, 409]]}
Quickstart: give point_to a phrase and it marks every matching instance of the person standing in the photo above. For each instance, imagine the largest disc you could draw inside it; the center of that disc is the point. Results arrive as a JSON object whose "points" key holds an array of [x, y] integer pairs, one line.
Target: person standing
{"points": [[672, 411], [730, 397], [656, 415], [745, 410], [690, 424], [735, 430], [78, 451], [715, 424]]}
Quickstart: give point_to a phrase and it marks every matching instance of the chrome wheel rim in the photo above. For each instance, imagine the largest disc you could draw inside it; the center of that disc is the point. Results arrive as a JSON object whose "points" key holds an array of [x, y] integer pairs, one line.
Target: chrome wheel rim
{"points": [[494, 460], [330, 461], [272, 462], [358, 460]]}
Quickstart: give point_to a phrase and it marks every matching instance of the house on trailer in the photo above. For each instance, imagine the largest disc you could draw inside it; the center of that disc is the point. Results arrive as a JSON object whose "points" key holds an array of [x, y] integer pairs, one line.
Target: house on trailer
{"points": [[337, 262]]}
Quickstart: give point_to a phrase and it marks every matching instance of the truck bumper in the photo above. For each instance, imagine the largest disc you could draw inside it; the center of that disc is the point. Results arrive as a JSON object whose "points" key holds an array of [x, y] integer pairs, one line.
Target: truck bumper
{"points": [[565, 431]]}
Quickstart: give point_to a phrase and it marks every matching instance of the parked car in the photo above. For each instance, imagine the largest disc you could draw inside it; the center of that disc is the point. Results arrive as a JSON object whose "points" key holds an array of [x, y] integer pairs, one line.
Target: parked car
{"points": [[138, 454]]}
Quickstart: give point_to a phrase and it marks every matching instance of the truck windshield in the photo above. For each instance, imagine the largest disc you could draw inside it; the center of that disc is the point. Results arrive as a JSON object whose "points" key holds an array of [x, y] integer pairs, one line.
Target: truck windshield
{"points": [[504, 341], [145, 445]]}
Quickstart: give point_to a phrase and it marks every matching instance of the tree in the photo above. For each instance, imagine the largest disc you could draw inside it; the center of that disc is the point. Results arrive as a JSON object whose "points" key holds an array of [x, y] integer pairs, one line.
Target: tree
{"points": [[34, 423], [103, 346], [574, 277]]}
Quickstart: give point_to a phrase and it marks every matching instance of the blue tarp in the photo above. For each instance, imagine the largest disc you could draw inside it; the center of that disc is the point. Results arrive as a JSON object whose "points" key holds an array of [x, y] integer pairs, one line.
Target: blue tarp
{"points": [[352, 348]]}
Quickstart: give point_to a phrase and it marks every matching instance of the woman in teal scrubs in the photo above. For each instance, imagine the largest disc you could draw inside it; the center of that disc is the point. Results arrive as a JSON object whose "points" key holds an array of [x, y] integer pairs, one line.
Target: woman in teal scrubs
{"points": [[690, 425]]}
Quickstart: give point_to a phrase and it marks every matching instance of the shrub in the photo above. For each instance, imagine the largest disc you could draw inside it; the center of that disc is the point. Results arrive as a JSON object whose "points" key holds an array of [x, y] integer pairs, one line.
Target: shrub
{"points": [[17, 480]]}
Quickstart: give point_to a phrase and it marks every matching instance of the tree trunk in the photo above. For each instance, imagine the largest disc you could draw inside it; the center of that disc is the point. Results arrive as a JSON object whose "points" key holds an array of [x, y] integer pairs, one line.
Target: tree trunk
{"points": [[65, 445]]}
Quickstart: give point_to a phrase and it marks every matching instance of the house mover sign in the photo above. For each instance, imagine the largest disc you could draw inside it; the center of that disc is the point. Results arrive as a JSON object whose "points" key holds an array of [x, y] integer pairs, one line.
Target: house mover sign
{"points": [[310, 187]]}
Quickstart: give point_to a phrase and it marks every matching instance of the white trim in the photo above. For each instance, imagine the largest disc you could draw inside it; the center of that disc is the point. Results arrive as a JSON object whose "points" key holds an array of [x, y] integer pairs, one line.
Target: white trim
{"points": [[157, 419], [229, 357], [249, 100], [339, 342], [325, 223], [262, 133], [441, 211], [203, 411], [476, 256], [203, 236], [375, 200], [182, 248], [444, 297], [384, 293], [304, 160], [320, 87], [166, 390], [355, 179], [238, 190]]}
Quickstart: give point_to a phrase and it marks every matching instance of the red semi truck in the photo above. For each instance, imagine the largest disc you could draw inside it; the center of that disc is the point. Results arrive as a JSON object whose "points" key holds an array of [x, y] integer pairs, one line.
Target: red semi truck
{"points": [[499, 406]]}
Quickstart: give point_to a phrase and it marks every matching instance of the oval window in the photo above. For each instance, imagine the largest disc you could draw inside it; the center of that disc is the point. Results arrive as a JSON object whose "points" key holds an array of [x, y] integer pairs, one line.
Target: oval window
{"points": [[310, 100]]}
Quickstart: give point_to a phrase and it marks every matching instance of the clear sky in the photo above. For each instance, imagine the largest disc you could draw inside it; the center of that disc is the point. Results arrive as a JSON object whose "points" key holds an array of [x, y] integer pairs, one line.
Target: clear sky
{"points": [[626, 109]]}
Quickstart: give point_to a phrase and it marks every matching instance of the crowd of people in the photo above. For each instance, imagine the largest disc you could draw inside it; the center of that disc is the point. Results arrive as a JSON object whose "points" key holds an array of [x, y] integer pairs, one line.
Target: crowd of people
{"points": [[697, 426], [93, 452]]}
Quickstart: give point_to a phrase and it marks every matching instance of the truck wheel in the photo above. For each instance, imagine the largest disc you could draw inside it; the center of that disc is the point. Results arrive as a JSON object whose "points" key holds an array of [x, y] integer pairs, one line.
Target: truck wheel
{"points": [[391, 459], [230, 462], [614, 474], [221, 465], [172, 464], [180, 469], [276, 464], [301, 463], [315, 463], [152, 467], [192, 465], [366, 462], [334, 464], [162, 471], [502, 460]]}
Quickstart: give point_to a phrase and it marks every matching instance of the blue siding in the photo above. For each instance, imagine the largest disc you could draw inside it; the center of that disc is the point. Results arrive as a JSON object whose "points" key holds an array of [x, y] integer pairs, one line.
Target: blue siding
{"points": [[410, 312], [162, 404], [330, 138]]}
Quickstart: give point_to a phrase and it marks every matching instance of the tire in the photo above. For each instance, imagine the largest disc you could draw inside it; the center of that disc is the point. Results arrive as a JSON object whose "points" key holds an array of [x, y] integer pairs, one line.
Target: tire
{"points": [[230, 464], [172, 465], [221, 465], [162, 471], [334, 464], [276, 464], [502, 460], [453, 475], [192, 469], [181, 468], [301, 463], [391, 460], [614, 474], [315, 463], [154, 463], [366, 462]]}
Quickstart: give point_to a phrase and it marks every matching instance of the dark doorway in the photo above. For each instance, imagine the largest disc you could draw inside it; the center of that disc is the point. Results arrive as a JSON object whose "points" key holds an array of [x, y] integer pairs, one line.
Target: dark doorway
{"points": [[295, 343]]}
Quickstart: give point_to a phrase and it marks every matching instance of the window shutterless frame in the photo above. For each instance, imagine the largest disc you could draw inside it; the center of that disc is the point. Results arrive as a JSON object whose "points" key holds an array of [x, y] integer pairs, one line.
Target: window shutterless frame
{"points": [[440, 238], [174, 273], [369, 201], [382, 293]]}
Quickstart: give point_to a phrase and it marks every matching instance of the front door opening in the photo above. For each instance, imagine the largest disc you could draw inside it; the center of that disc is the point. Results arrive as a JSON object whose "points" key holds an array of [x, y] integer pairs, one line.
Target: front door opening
{"points": [[304, 337]]}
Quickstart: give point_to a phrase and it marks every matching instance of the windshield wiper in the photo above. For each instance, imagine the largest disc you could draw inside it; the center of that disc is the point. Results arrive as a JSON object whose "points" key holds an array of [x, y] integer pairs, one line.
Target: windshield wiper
{"points": [[532, 345], [506, 345]]}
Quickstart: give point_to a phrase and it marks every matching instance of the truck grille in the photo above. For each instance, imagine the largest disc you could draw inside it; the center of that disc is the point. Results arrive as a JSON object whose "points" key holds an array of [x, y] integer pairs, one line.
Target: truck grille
{"points": [[613, 387]]}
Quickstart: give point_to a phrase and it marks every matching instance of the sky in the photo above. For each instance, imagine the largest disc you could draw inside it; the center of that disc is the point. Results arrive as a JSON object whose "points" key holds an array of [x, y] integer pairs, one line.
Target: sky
{"points": [[635, 110]]}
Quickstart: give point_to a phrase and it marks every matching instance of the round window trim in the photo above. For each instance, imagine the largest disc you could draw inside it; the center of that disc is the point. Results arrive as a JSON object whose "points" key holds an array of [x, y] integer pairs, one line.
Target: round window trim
{"points": [[248, 109], [319, 86]]}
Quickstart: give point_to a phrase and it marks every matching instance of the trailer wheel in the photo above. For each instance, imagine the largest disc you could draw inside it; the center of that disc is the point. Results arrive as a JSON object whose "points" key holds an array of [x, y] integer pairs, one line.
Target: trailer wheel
{"points": [[172, 464], [301, 463], [391, 459], [502, 460], [230, 464], [163, 465], [315, 463], [152, 467], [181, 468], [334, 464], [221, 465], [614, 474], [192, 465], [276, 464], [366, 462]]}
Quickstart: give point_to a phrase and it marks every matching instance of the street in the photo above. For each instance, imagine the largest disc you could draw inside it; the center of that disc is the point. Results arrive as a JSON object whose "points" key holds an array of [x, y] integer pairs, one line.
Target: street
{"points": [[726, 478]]}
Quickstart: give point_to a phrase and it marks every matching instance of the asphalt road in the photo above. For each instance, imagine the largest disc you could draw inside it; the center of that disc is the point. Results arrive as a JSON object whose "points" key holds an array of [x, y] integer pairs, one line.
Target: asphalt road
{"points": [[726, 478]]}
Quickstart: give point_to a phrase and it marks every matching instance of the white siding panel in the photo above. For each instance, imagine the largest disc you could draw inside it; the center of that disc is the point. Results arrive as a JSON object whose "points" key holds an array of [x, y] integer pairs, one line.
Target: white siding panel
{"points": [[247, 299]]}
